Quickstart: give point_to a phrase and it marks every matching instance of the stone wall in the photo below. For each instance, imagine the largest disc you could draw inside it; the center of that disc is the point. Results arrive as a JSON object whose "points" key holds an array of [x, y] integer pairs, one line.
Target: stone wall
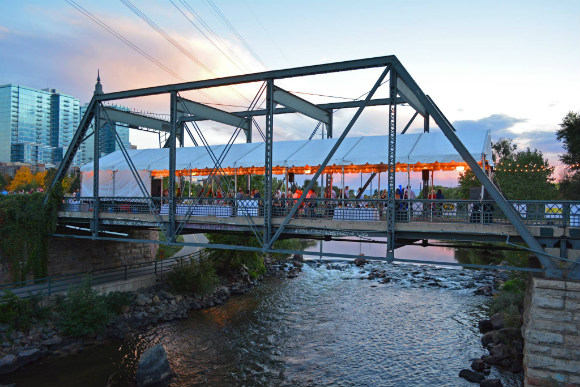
{"points": [[551, 330], [70, 255]]}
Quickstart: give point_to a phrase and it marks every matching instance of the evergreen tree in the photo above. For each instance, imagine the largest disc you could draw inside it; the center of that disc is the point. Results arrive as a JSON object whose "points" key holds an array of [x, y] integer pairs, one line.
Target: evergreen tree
{"points": [[569, 134]]}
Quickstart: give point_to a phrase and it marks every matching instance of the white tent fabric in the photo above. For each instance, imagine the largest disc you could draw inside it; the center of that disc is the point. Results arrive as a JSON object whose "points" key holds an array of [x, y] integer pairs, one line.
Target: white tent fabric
{"points": [[411, 149], [120, 183]]}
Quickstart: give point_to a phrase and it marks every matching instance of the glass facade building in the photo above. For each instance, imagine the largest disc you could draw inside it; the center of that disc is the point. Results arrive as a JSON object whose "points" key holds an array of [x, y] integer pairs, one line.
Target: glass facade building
{"points": [[108, 142], [36, 126]]}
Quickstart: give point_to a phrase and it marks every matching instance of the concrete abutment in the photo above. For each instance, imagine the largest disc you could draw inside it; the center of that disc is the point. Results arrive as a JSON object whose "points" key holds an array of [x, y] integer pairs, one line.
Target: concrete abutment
{"points": [[551, 330]]}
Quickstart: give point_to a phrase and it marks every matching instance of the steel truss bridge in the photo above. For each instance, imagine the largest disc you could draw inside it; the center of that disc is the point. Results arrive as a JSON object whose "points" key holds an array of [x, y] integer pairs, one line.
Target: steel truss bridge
{"points": [[551, 235]]}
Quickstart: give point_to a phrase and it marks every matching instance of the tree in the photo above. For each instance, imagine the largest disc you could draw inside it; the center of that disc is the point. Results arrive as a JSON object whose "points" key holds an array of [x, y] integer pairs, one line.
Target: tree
{"points": [[569, 134], [3, 182], [523, 175], [526, 175], [23, 180]]}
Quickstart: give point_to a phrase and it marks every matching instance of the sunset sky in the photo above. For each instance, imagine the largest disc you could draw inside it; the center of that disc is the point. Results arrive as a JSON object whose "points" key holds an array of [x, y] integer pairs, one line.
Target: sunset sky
{"points": [[509, 66]]}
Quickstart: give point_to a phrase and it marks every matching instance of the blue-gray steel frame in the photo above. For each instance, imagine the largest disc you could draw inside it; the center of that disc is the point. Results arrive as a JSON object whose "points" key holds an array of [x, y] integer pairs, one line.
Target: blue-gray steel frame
{"points": [[390, 62], [269, 142], [96, 169], [391, 154]]}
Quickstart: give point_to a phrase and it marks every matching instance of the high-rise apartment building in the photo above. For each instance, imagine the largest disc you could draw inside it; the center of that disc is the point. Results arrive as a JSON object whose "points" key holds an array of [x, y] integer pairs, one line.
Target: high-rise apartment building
{"points": [[37, 126]]}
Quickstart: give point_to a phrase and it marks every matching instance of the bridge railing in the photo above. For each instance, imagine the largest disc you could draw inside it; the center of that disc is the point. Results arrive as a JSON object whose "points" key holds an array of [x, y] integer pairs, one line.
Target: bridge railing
{"points": [[558, 213]]}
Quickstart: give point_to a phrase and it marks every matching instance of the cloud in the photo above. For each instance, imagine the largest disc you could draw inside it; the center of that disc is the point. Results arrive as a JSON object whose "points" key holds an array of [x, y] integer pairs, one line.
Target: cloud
{"points": [[496, 123]]}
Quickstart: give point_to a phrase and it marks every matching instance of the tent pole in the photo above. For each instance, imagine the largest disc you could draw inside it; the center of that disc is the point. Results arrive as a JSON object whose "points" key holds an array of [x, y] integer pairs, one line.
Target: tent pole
{"points": [[342, 182], [286, 180]]}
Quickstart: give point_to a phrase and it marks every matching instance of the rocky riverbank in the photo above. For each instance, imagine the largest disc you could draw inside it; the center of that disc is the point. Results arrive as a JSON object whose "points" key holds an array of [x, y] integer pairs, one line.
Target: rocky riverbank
{"points": [[149, 306]]}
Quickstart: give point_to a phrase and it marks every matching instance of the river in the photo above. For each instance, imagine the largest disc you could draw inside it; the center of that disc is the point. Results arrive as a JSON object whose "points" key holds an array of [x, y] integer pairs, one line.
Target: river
{"points": [[327, 327]]}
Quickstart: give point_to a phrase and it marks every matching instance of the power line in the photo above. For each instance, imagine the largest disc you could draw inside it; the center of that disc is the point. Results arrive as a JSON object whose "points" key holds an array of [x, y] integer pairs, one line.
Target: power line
{"points": [[210, 30], [167, 37], [123, 39], [235, 32]]}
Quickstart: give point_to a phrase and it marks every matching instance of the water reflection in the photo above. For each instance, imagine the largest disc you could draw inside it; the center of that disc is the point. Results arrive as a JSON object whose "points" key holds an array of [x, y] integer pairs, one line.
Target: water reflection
{"points": [[357, 247]]}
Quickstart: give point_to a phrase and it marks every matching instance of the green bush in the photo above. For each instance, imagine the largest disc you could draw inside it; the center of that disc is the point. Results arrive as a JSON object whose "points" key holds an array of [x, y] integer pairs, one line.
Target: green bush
{"points": [[20, 313], [118, 301], [84, 311], [514, 285], [193, 276]]}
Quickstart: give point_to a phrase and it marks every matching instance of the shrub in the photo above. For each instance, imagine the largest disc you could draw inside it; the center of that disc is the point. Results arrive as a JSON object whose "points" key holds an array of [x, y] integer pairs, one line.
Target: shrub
{"points": [[118, 301], [20, 313], [196, 276], [84, 311]]}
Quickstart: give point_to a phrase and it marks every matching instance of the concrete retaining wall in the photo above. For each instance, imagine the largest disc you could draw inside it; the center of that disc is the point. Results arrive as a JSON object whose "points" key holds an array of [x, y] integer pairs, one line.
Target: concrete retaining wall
{"points": [[70, 255], [551, 331]]}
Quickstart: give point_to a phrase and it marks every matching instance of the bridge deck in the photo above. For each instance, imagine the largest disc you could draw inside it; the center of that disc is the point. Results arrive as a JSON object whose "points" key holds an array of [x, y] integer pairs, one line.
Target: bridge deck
{"points": [[415, 219]]}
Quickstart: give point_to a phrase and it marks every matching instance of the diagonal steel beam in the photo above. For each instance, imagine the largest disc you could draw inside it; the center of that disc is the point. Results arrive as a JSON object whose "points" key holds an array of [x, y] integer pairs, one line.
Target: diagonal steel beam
{"points": [[72, 149], [134, 120], [410, 122], [302, 106], [507, 208], [327, 159], [200, 110]]}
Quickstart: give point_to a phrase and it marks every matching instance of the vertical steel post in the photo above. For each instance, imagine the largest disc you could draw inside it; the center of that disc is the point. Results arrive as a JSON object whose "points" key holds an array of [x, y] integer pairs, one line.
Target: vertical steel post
{"points": [[268, 162], [392, 162], [172, 157], [96, 168], [426, 123]]}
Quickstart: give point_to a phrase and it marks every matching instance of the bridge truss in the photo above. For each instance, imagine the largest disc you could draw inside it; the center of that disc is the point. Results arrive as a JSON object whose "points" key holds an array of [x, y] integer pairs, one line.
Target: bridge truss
{"points": [[402, 89]]}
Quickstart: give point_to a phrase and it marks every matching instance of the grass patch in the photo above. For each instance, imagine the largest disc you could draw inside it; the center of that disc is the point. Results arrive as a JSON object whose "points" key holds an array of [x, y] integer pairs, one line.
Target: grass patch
{"points": [[166, 251]]}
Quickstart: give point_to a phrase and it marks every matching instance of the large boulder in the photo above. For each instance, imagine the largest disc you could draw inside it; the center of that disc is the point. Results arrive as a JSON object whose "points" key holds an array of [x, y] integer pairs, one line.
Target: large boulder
{"points": [[497, 321], [491, 383], [8, 364], [153, 367], [471, 376]]}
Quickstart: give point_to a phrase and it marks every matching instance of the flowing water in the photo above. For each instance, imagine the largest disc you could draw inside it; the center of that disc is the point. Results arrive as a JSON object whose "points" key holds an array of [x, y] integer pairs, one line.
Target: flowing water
{"points": [[327, 327]]}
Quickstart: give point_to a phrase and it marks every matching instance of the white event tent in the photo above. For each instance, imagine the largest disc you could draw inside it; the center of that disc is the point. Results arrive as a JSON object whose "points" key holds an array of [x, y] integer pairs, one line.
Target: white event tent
{"points": [[414, 152]]}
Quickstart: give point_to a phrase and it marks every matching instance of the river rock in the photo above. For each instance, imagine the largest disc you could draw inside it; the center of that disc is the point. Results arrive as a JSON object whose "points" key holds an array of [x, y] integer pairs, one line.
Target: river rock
{"points": [[7, 364], [27, 356], [499, 350], [142, 300], [298, 258], [360, 262], [485, 326], [490, 337], [490, 383], [153, 367], [484, 291], [478, 365], [497, 321], [52, 341], [156, 300], [165, 295], [471, 376]]}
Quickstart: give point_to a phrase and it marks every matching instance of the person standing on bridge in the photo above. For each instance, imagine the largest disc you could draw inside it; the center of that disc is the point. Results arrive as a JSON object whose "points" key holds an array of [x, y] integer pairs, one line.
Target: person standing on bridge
{"points": [[439, 206]]}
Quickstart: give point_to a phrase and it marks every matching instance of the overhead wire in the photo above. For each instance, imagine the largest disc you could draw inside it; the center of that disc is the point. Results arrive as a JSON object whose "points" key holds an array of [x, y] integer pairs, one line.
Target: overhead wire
{"points": [[123, 39], [229, 25], [210, 30]]}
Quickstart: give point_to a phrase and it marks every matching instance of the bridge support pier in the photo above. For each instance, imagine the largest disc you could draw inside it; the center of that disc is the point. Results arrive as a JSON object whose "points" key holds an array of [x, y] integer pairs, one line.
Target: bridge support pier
{"points": [[551, 331]]}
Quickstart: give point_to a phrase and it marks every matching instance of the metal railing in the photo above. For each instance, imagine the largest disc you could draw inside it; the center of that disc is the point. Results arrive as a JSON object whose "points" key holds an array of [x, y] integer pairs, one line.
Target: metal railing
{"points": [[62, 283], [558, 213]]}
